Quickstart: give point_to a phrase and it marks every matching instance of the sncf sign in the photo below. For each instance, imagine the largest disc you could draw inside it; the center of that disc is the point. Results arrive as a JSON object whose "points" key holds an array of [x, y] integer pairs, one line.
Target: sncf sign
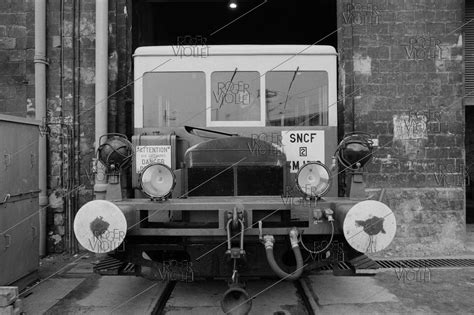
{"points": [[302, 137], [303, 146]]}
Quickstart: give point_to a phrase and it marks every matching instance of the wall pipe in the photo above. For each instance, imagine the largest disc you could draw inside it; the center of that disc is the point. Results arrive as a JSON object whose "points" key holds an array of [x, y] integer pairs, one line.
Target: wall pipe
{"points": [[101, 86], [75, 136], [40, 62]]}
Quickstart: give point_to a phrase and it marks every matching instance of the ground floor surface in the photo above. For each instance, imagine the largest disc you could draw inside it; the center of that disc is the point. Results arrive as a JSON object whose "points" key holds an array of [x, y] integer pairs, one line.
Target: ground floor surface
{"points": [[75, 289]]}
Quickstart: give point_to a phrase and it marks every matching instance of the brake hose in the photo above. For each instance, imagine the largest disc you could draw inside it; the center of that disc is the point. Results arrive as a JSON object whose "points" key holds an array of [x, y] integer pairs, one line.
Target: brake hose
{"points": [[269, 240]]}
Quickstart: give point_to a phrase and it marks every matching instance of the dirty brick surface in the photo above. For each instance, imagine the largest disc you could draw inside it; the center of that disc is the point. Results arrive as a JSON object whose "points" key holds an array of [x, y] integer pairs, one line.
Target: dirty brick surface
{"points": [[401, 72]]}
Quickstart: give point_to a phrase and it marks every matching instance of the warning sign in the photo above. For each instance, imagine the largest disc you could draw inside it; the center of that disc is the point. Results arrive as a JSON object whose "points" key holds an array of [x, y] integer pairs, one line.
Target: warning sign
{"points": [[147, 154], [303, 146]]}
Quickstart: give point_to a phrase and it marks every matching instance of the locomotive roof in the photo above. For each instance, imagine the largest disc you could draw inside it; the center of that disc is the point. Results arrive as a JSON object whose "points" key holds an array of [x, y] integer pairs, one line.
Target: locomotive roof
{"points": [[242, 50]]}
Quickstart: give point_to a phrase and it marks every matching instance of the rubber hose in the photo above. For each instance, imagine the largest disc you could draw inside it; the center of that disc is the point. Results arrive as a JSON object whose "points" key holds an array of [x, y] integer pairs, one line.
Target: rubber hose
{"points": [[287, 276]]}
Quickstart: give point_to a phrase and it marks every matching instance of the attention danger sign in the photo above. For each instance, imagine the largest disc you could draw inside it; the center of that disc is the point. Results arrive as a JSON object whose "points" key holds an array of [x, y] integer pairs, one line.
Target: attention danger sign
{"points": [[303, 146], [148, 154]]}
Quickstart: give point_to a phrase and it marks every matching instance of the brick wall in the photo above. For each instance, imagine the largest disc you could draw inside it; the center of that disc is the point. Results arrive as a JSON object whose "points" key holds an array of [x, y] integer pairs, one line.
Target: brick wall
{"points": [[401, 65], [16, 57]]}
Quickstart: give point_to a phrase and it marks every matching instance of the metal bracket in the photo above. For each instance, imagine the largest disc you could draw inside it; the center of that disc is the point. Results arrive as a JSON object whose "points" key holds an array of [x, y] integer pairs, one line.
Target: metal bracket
{"points": [[32, 159], [242, 229], [43, 127], [235, 218], [7, 159], [235, 253], [35, 231], [8, 240], [7, 196], [357, 188], [236, 215], [235, 276]]}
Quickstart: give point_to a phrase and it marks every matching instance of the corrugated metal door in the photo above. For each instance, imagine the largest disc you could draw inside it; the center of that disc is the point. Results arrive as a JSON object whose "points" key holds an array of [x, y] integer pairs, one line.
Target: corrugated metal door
{"points": [[19, 211]]}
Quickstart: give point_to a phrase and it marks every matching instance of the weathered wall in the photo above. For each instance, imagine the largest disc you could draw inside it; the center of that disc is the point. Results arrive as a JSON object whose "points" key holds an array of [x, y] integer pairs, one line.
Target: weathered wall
{"points": [[401, 76], [70, 104], [71, 95], [16, 57]]}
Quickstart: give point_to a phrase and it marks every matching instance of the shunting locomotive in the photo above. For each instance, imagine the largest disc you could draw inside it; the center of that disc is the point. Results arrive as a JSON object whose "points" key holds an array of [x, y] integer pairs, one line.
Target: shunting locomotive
{"points": [[234, 167]]}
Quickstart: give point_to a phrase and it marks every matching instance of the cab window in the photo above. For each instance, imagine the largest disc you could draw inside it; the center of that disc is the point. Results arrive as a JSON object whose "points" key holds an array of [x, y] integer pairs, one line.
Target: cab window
{"points": [[235, 96], [296, 98], [172, 99]]}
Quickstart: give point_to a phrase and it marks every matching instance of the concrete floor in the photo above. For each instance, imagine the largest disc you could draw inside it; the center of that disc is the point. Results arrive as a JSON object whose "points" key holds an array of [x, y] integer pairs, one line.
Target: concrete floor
{"points": [[446, 291], [77, 290]]}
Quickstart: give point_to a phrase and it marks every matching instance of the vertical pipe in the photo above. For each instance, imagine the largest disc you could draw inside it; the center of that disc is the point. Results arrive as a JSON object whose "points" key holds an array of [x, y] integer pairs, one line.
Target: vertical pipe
{"points": [[65, 197], [77, 122], [40, 113], [72, 150], [101, 67]]}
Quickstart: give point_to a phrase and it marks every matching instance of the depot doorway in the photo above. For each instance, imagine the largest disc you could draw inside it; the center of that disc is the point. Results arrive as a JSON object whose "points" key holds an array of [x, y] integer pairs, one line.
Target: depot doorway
{"points": [[161, 22]]}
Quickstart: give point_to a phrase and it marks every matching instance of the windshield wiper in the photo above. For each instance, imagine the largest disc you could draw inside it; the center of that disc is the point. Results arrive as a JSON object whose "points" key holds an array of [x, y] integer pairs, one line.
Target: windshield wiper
{"points": [[228, 86], [189, 129], [289, 88]]}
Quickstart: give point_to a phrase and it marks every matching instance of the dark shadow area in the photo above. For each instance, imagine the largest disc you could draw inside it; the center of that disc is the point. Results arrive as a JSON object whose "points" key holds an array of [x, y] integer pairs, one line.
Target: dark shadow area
{"points": [[157, 22]]}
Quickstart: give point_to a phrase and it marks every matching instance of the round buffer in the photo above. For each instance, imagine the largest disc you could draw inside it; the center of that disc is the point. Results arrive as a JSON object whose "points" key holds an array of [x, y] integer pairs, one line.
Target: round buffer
{"points": [[369, 226], [100, 226]]}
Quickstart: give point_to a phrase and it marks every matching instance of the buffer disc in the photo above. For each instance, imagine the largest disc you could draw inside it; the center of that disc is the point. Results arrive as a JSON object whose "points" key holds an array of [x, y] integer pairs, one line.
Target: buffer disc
{"points": [[369, 226], [100, 226]]}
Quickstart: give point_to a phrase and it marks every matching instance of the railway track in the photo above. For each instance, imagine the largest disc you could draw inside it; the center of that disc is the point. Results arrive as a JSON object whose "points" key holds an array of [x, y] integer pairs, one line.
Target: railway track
{"points": [[79, 290], [268, 296]]}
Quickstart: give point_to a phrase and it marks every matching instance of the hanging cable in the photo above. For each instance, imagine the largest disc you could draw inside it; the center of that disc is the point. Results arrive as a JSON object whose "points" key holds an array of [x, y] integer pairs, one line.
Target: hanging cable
{"points": [[322, 250]]}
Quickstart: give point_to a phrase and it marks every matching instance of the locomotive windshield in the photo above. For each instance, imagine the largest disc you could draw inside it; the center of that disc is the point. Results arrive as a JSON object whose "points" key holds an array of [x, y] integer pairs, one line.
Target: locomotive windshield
{"points": [[292, 98], [296, 99], [172, 99], [235, 96]]}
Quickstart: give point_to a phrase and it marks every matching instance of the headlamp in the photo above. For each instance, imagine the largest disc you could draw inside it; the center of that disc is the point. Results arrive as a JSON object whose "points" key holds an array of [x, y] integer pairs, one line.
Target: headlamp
{"points": [[313, 179], [355, 150], [157, 180]]}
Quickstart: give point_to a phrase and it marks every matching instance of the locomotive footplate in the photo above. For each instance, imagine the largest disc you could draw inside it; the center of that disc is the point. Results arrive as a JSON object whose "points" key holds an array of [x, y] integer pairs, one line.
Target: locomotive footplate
{"points": [[150, 218], [216, 247], [203, 228]]}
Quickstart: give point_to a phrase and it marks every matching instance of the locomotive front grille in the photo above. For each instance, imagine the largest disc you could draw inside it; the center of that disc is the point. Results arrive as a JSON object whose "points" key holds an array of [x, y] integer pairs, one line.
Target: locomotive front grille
{"points": [[236, 181]]}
